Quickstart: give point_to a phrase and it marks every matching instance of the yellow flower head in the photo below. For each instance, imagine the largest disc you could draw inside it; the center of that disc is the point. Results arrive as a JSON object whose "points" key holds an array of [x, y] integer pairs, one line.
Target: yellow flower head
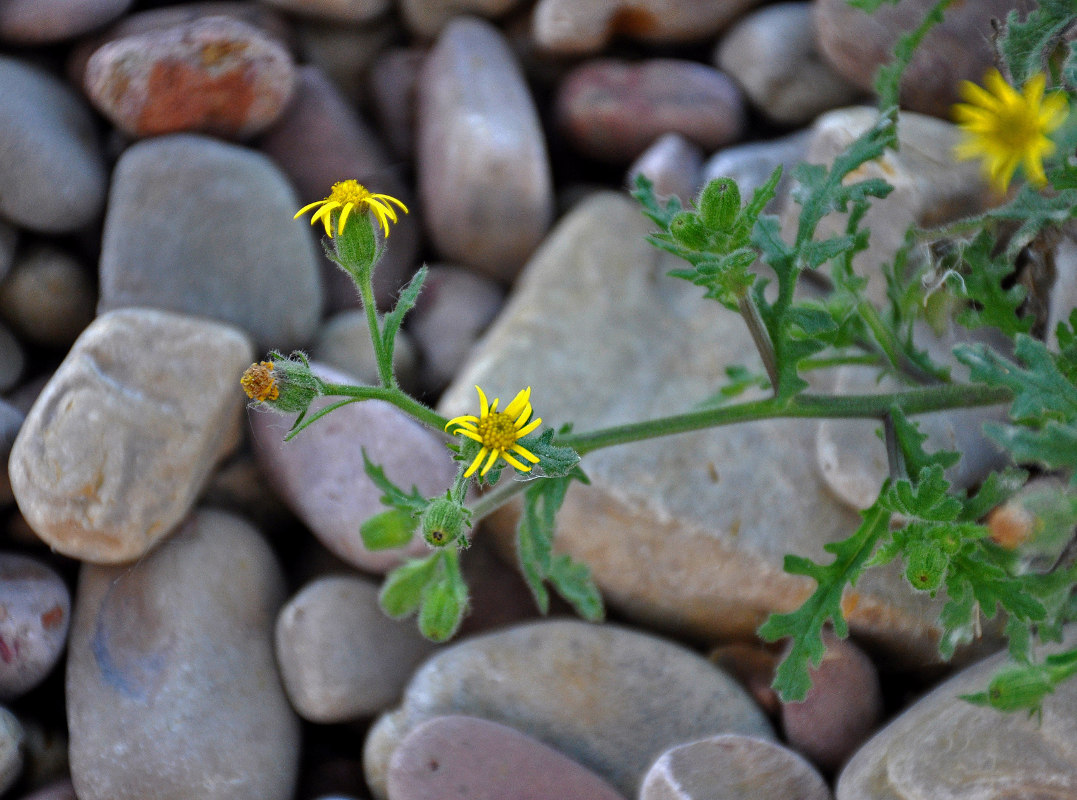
{"points": [[1007, 128], [259, 382], [349, 196], [498, 432]]}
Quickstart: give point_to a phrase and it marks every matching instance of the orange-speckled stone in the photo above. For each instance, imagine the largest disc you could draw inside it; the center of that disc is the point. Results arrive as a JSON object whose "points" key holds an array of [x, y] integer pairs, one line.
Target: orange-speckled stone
{"points": [[212, 75]]}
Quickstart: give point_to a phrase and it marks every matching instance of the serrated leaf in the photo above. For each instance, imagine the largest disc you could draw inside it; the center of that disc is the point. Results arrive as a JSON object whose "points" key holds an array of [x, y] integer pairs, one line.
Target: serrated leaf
{"points": [[1053, 446], [555, 460], [911, 443], [393, 495], [1025, 44], [574, 583], [660, 214], [982, 284], [403, 589], [1041, 390], [995, 489], [404, 304], [389, 529], [926, 499]]}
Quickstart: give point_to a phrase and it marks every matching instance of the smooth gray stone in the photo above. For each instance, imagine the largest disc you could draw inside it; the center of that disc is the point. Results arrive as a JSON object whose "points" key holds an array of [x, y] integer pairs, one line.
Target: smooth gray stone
{"points": [[204, 227], [673, 164], [46, 21], [609, 698], [750, 165], [48, 297], [51, 165], [172, 688]]}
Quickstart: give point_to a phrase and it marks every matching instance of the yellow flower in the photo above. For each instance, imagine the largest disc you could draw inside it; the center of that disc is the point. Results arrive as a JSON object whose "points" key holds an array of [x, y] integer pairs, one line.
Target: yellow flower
{"points": [[349, 196], [1007, 128], [498, 432], [259, 382]]}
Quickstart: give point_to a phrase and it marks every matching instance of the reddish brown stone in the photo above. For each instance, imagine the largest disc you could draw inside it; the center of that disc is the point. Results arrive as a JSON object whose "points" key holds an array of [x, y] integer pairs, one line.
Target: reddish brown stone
{"points": [[214, 75]]}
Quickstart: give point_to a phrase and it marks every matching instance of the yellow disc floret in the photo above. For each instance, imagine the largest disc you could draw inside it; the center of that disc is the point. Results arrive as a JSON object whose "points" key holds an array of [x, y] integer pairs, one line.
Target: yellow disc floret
{"points": [[498, 432], [259, 382], [349, 196], [1006, 128]]}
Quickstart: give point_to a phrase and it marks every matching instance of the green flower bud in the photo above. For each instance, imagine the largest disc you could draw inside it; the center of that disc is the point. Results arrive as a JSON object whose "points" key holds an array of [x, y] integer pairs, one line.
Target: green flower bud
{"points": [[357, 247], [444, 521], [925, 566], [285, 384]]}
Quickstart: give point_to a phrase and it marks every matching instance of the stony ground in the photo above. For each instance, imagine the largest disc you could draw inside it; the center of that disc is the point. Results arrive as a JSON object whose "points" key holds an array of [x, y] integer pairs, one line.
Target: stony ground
{"points": [[186, 609]]}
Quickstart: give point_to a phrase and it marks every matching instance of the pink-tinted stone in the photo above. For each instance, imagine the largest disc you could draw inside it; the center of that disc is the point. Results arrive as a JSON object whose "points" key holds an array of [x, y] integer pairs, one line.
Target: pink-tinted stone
{"points": [[35, 609], [577, 27], [345, 11], [320, 140], [320, 472], [466, 758], [842, 709], [394, 79], [41, 21], [214, 75], [612, 110], [732, 767], [673, 164], [857, 43]]}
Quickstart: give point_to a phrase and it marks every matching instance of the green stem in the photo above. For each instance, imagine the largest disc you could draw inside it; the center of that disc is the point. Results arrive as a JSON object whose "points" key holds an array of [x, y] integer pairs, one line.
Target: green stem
{"points": [[890, 347], [385, 365], [389, 394], [876, 406], [750, 312], [494, 499]]}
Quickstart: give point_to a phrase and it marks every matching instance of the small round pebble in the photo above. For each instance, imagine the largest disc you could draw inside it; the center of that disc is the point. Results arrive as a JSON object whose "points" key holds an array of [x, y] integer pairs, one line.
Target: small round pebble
{"points": [[672, 163], [732, 767], [35, 610], [467, 758], [48, 298], [215, 75], [841, 710], [11, 749]]}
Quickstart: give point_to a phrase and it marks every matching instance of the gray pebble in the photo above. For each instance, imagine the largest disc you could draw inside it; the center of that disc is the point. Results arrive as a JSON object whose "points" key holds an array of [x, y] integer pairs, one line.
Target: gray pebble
{"points": [[35, 610], [48, 297]]}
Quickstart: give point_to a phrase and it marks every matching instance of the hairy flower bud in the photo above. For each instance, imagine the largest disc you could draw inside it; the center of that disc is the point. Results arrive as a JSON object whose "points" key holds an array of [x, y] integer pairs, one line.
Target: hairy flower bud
{"points": [[444, 521]]}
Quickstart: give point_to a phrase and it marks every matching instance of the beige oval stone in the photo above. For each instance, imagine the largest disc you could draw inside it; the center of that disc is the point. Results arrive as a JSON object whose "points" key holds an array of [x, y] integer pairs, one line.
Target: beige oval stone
{"points": [[119, 442]]}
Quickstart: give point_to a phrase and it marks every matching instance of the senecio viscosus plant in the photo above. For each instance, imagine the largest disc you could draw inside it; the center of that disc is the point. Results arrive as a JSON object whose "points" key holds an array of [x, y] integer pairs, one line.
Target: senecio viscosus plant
{"points": [[1018, 126]]}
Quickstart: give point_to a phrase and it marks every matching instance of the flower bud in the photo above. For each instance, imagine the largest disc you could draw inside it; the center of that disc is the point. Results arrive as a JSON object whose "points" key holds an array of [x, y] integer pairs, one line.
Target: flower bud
{"points": [[285, 384], [444, 521]]}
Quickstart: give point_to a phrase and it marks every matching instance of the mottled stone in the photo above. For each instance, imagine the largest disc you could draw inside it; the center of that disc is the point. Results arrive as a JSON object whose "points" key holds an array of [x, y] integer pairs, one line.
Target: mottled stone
{"points": [[751, 164], [320, 472], [578, 27], [215, 75], [771, 54], [467, 758], [117, 446], [46, 21], [11, 749], [427, 18], [343, 343], [218, 220], [454, 309], [857, 43], [607, 697], [11, 419], [345, 11], [172, 689], [48, 298], [843, 706], [320, 140], [732, 767], [945, 747], [51, 165], [340, 657], [394, 87], [490, 203], [673, 164], [612, 110], [35, 609], [675, 535]]}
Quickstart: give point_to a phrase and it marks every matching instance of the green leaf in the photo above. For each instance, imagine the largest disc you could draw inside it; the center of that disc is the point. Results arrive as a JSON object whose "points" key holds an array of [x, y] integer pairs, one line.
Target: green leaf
{"points": [[805, 625], [404, 587], [1034, 211], [1025, 45], [392, 495], [555, 460], [445, 602], [995, 489], [926, 499], [910, 441], [888, 78], [574, 583], [983, 284], [1053, 446], [389, 529], [658, 213], [404, 304]]}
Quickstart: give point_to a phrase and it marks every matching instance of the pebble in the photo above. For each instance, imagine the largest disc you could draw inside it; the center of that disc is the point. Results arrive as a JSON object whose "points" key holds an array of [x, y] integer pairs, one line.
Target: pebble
{"points": [[427, 18], [343, 343], [346, 53], [673, 164], [9, 238], [609, 698], [117, 446], [215, 75], [320, 475], [340, 657], [732, 767], [321, 140], [583, 27], [35, 609], [394, 86], [843, 706], [48, 298], [1063, 296], [750, 165], [857, 43], [58, 790], [943, 746], [454, 309], [172, 689], [218, 219], [771, 54], [612, 110], [12, 360], [11, 749], [490, 204], [690, 508], [28, 22], [753, 666], [51, 165], [466, 758], [11, 419], [348, 12]]}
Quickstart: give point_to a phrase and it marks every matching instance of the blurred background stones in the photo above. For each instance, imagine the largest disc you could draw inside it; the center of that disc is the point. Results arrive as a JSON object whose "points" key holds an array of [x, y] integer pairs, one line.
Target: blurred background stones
{"points": [[224, 635]]}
